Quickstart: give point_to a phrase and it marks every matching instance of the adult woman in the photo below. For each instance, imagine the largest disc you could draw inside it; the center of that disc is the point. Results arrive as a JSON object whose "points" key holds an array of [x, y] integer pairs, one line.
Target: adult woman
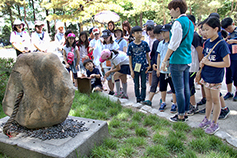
{"points": [[111, 27], [179, 52], [126, 29], [20, 39]]}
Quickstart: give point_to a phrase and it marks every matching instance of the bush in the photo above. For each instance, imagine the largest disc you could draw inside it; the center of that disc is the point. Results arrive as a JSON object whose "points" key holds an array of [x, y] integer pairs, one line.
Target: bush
{"points": [[5, 71]]}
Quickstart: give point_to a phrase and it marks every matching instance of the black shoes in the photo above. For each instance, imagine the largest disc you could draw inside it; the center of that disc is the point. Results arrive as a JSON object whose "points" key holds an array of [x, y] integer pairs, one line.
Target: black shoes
{"points": [[203, 101]]}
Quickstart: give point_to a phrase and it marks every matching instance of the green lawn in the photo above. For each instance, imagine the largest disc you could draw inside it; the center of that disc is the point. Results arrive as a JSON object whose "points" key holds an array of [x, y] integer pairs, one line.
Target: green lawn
{"points": [[135, 134]]}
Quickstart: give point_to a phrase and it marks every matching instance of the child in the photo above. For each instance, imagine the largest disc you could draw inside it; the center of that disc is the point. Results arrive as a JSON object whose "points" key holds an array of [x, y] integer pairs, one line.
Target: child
{"points": [[91, 35], [154, 54], [121, 62], [83, 47], [231, 72], [123, 45], [94, 74], [71, 55], [106, 66], [165, 77], [96, 46], [213, 72], [138, 52]]}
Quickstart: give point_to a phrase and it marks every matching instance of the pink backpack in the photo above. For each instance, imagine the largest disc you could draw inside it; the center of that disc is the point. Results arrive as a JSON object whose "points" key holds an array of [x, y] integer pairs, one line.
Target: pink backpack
{"points": [[70, 57]]}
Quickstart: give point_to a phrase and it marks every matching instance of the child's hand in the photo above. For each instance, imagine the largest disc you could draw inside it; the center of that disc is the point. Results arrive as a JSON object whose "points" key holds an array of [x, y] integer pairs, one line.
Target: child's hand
{"points": [[230, 41], [67, 65], [107, 74], [203, 62], [132, 74], [92, 75], [148, 68], [154, 67], [86, 57], [158, 73]]}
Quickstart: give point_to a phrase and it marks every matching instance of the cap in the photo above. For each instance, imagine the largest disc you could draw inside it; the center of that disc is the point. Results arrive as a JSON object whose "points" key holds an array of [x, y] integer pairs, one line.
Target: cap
{"points": [[105, 54], [90, 31], [157, 29], [166, 27], [214, 15], [59, 24], [39, 23], [136, 29], [71, 35], [95, 30], [106, 33], [18, 22], [149, 22]]}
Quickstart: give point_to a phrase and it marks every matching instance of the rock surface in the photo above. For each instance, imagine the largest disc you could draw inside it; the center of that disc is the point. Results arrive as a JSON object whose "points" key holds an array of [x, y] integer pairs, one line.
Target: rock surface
{"points": [[48, 90]]}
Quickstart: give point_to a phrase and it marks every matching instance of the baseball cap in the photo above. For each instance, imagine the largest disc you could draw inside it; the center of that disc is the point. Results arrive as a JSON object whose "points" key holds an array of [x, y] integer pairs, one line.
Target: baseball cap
{"points": [[18, 22], [166, 27], [157, 29], [95, 30], [149, 22], [39, 23], [71, 35], [90, 31], [136, 29], [106, 33], [105, 54]]}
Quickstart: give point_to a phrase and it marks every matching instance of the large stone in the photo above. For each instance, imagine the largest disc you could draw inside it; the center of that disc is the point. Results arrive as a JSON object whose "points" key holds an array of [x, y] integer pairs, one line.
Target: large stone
{"points": [[48, 90]]}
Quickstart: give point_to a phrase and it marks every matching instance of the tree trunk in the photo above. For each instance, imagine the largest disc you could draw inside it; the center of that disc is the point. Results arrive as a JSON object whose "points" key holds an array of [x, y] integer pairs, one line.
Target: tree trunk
{"points": [[25, 20], [19, 11], [48, 25], [10, 14], [33, 7], [55, 22], [80, 27], [141, 19], [136, 20]]}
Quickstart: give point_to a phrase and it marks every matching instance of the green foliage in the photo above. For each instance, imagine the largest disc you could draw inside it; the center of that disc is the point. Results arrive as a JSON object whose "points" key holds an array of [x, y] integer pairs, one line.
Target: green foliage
{"points": [[136, 141], [5, 35], [175, 144], [102, 152], [5, 71], [158, 138], [126, 151], [181, 126], [200, 145], [198, 133], [110, 143], [141, 132], [187, 154]]}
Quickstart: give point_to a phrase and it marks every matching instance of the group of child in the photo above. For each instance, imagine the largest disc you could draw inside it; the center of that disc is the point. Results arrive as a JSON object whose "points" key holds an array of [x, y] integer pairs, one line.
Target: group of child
{"points": [[110, 56]]}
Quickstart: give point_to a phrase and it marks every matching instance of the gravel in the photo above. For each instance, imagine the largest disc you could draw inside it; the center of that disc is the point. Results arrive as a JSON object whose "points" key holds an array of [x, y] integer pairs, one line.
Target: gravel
{"points": [[68, 128]]}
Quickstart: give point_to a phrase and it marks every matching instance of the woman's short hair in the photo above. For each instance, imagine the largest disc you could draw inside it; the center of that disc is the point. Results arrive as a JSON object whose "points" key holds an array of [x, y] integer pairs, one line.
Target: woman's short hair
{"points": [[181, 4]]}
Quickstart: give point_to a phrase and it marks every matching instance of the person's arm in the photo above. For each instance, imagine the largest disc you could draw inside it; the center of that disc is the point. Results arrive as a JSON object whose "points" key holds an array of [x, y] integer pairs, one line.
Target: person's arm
{"points": [[167, 56], [158, 65], [200, 55], [149, 62], [125, 48], [65, 58], [232, 41], [130, 66], [221, 64], [78, 57]]}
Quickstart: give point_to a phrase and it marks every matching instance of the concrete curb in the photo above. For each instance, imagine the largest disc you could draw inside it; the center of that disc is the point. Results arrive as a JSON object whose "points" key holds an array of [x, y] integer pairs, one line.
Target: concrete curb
{"points": [[148, 109]]}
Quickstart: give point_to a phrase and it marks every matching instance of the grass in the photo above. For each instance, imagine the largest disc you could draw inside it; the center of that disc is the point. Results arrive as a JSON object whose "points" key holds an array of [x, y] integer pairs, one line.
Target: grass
{"points": [[135, 134]]}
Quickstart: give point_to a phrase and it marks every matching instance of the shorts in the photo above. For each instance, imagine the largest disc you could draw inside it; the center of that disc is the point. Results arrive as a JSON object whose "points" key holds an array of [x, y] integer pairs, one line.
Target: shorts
{"points": [[74, 74], [164, 80], [124, 69], [213, 86], [110, 76]]}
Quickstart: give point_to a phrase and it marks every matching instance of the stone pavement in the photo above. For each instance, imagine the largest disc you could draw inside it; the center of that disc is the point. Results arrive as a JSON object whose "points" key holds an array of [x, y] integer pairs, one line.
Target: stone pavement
{"points": [[228, 127]]}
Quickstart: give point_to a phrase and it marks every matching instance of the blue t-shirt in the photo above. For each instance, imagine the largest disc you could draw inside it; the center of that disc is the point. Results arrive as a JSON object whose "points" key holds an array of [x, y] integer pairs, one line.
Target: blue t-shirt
{"points": [[233, 35], [122, 43], [213, 74], [94, 81], [138, 53]]}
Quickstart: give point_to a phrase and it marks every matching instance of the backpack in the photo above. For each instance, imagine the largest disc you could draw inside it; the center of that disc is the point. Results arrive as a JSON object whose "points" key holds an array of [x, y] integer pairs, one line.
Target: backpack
{"points": [[70, 57]]}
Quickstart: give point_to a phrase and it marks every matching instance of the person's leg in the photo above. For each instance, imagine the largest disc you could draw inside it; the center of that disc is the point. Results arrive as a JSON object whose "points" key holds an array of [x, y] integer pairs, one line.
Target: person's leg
{"points": [[143, 85], [228, 76], [154, 83], [234, 76], [136, 86], [117, 82], [150, 78], [208, 102], [123, 78], [186, 88], [215, 97], [111, 85]]}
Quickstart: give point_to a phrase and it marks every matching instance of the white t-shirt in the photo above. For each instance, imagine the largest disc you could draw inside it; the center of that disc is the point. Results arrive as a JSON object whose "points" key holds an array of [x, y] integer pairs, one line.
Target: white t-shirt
{"points": [[69, 49], [37, 40], [110, 46], [97, 45], [20, 40], [120, 58], [83, 52], [194, 66]]}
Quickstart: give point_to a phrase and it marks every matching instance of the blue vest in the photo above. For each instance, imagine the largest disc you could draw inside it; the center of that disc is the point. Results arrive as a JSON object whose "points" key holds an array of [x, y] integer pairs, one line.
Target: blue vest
{"points": [[183, 54]]}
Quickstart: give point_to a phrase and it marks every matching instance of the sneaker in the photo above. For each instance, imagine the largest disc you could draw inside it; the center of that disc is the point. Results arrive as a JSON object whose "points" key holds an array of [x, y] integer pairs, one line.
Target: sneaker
{"points": [[138, 100], [212, 128], [118, 94], [111, 93], [203, 101], [162, 107], [173, 108], [224, 113], [205, 123], [169, 92], [175, 118], [228, 95], [124, 96], [203, 111], [147, 102], [192, 111], [235, 97]]}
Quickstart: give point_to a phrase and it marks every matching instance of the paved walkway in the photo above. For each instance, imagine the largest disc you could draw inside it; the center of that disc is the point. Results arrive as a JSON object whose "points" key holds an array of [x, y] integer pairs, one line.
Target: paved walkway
{"points": [[228, 127]]}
